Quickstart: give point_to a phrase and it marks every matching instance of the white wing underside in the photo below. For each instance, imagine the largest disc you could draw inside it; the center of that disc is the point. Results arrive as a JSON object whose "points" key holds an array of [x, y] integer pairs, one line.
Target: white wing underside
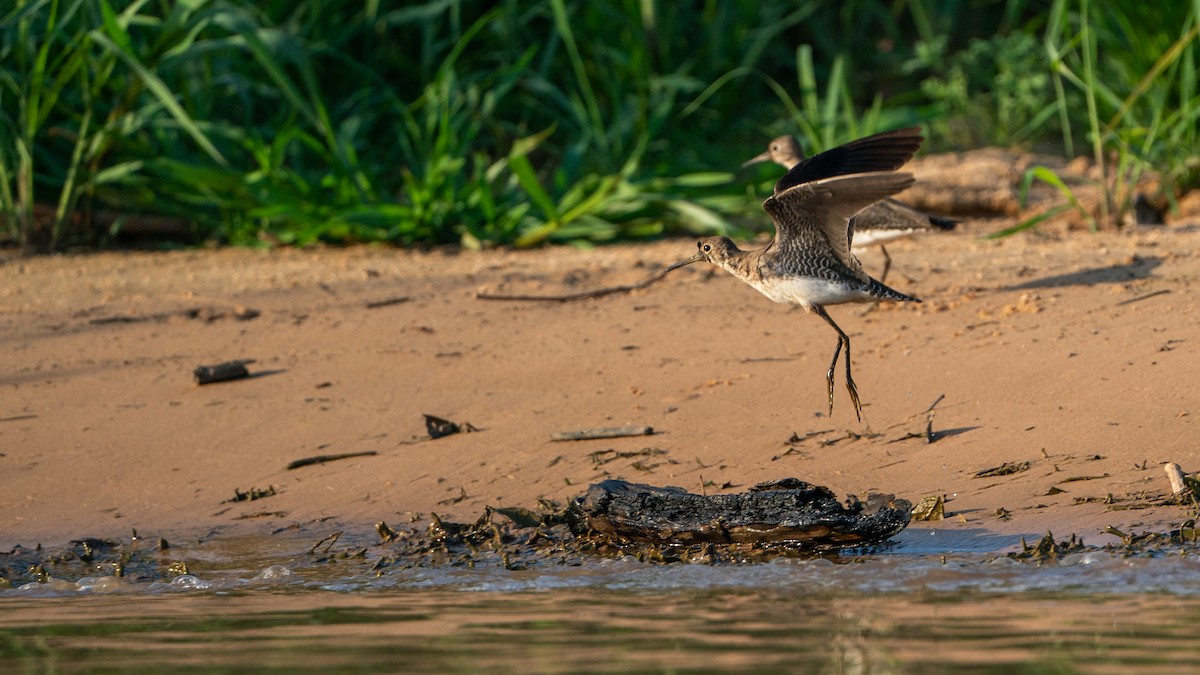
{"points": [[865, 238]]}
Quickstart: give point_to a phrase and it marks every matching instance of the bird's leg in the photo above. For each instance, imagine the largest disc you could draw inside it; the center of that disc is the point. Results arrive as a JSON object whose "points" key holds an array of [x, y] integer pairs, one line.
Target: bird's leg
{"points": [[887, 263], [850, 386], [843, 339], [829, 373]]}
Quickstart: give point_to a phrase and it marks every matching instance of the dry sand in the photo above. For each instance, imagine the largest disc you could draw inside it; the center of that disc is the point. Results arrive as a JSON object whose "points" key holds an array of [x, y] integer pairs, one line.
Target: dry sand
{"points": [[1076, 353]]}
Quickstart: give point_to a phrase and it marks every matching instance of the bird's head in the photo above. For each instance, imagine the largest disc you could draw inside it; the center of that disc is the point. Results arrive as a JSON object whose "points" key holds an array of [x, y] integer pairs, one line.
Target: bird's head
{"points": [[784, 151], [720, 251]]}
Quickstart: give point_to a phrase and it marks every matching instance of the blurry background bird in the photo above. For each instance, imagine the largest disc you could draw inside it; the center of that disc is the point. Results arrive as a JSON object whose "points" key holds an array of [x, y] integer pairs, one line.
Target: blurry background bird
{"points": [[877, 224]]}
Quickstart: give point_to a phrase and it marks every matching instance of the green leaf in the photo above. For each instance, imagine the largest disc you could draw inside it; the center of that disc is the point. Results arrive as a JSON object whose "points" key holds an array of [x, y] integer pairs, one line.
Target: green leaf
{"points": [[593, 201], [1026, 224], [536, 235], [699, 219], [526, 176], [116, 172], [117, 30], [164, 96], [519, 164], [1052, 179], [702, 179]]}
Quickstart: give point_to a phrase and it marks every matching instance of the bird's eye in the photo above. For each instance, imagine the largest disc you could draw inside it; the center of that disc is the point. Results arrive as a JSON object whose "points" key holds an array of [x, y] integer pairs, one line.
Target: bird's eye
{"points": [[707, 248]]}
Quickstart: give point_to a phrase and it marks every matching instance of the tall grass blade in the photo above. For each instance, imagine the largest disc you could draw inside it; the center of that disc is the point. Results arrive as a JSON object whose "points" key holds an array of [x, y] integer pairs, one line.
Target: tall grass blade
{"points": [[164, 96], [1028, 223], [1169, 58]]}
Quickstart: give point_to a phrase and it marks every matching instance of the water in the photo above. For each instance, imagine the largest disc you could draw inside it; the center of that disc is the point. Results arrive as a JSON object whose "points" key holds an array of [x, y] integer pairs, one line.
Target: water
{"points": [[245, 607]]}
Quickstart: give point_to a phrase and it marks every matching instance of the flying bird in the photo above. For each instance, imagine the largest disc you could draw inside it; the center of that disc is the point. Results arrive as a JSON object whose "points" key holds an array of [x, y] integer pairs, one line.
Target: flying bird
{"points": [[809, 260]]}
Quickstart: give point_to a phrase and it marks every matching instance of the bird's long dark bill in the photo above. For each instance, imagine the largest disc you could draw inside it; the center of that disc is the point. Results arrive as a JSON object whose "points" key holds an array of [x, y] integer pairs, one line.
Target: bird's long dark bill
{"points": [[696, 258], [764, 157]]}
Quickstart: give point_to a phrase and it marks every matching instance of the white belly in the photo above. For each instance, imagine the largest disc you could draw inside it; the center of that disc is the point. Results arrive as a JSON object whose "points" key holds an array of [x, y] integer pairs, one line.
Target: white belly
{"points": [[806, 292], [864, 238]]}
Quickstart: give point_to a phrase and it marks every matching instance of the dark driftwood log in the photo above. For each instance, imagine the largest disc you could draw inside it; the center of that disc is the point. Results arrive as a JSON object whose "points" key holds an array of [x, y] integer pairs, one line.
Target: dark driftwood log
{"points": [[789, 511]]}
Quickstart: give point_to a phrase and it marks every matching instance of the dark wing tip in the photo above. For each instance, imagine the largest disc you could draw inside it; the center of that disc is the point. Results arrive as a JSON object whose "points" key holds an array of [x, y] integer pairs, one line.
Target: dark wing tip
{"points": [[943, 223], [885, 151]]}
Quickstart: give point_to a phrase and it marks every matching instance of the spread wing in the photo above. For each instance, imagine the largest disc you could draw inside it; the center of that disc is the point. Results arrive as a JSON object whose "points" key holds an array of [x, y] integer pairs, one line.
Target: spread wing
{"points": [[890, 214], [887, 151], [827, 206]]}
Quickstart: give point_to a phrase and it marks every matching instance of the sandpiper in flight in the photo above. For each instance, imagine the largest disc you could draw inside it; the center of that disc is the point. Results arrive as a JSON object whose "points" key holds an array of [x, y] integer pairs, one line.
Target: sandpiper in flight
{"points": [[877, 224], [808, 261]]}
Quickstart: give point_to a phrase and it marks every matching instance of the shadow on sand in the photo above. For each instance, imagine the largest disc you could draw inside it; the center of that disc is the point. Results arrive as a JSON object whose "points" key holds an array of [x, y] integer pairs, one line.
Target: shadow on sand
{"points": [[939, 434], [1140, 268]]}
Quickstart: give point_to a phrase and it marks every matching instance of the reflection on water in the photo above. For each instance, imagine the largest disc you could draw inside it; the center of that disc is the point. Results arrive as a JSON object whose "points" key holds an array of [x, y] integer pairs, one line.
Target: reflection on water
{"points": [[885, 613]]}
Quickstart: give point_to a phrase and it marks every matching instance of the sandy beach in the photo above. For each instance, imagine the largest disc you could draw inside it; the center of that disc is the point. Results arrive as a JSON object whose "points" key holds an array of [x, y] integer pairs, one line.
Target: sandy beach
{"points": [[1071, 355]]}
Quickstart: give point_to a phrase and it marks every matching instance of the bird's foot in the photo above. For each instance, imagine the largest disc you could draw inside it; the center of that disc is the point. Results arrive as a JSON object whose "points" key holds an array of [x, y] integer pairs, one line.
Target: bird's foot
{"points": [[850, 387], [829, 386]]}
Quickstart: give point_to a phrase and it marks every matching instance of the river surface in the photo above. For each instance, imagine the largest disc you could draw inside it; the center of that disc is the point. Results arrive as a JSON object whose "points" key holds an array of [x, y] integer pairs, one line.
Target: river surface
{"points": [[246, 607]]}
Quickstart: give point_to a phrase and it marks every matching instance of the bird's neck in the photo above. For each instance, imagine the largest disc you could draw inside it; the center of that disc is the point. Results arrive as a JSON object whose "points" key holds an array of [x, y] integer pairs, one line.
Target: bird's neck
{"points": [[740, 263]]}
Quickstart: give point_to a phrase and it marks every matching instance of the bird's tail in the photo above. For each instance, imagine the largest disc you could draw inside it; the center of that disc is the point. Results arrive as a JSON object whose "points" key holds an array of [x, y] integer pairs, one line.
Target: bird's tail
{"points": [[885, 292], [942, 223]]}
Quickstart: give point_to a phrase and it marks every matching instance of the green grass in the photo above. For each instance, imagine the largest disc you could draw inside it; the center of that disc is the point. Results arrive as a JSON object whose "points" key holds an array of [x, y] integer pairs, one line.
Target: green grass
{"points": [[1140, 112], [516, 123]]}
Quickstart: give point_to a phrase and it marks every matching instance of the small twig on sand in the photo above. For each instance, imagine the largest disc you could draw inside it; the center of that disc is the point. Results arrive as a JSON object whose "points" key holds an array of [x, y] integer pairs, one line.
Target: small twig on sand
{"points": [[332, 539], [582, 295], [1161, 291], [929, 435], [1005, 469], [1074, 479], [386, 302], [208, 314], [604, 432], [934, 404], [321, 459]]}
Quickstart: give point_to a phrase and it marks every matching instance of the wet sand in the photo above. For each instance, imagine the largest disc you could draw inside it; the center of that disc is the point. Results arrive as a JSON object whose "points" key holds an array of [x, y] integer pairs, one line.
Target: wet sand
{"points": [[1073, 352]]}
